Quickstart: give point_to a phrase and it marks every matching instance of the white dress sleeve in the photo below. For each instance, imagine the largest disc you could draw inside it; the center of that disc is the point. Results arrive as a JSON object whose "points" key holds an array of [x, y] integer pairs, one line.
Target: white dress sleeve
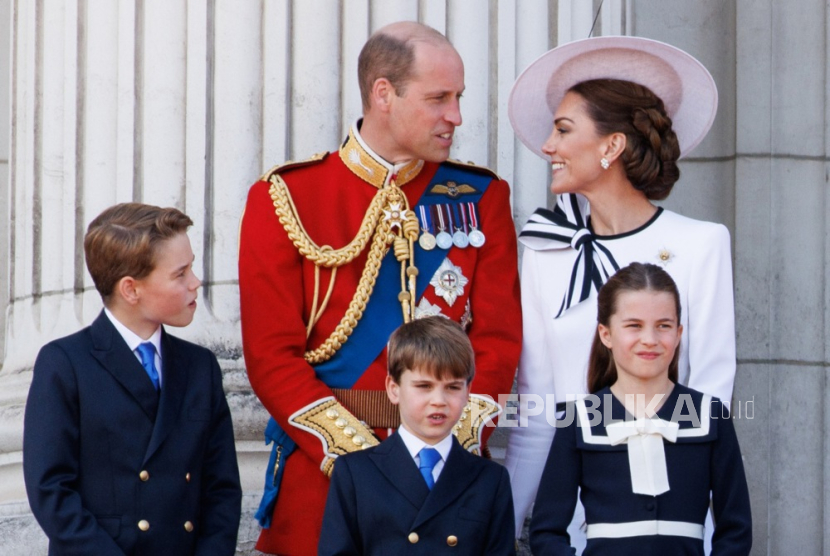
{"points": [[529, 443], [711, 321]]}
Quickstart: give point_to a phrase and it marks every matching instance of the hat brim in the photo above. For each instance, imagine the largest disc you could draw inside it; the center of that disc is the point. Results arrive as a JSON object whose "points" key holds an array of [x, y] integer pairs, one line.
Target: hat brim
{"points": [[685, 86]]}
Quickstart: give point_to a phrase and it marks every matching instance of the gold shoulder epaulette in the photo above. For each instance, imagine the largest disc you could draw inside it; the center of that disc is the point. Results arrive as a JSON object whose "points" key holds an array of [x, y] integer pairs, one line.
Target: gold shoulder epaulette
{"points": [[474, 167], [291, 164], [479, 411]]}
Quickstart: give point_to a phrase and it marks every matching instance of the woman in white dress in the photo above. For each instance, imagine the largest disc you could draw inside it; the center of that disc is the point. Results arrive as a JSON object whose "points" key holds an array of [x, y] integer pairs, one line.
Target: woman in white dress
{"points": [[612, 115]]}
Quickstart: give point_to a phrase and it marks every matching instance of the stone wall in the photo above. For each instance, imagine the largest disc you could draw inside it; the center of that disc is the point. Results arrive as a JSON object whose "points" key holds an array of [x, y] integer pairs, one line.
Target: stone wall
{"points": [[185, 103]]}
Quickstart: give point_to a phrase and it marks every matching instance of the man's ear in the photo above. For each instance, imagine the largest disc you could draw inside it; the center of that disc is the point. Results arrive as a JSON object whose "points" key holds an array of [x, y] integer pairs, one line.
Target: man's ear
{"points": [[381, 94], [127, 289]]}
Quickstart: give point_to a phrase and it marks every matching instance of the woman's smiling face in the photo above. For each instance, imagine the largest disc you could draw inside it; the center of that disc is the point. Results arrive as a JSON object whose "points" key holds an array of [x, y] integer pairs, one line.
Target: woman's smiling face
{"points": [[574, 147]]}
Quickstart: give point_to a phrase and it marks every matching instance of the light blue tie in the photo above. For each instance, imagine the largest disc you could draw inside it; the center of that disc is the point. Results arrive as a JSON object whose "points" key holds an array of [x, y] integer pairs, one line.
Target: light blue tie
{"points": [[429, 457], [147, 352]]}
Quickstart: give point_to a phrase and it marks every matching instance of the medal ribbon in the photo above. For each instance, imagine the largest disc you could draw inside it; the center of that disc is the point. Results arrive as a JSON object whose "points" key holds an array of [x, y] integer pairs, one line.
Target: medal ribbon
{"points": [[462, 219], [442, 227], [471, 209], [425, 223]]}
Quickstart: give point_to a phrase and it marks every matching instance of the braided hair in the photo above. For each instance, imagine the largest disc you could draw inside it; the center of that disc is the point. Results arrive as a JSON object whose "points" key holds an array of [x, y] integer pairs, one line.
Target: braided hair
{"points": [[652, 150]]}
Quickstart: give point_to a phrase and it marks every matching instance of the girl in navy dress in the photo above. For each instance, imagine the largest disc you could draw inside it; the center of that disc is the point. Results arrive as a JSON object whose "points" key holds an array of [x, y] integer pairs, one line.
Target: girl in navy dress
{"points": [[646, 452]]}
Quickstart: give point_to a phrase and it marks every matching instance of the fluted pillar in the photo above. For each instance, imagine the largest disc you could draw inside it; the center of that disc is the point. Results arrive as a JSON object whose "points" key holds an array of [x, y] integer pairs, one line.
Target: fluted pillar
{"points": [[185, 103], [111, 101]]}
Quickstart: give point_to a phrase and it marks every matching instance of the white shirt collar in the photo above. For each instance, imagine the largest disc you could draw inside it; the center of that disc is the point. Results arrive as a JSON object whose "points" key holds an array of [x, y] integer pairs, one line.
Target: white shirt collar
{"points": [[133, 339], [414, 444]]}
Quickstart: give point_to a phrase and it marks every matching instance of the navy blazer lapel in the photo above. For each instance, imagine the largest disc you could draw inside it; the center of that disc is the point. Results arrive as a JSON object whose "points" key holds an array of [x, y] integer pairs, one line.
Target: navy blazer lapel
{"points": [[173, 385], [396, 464], [460, 470], [113, 353]]}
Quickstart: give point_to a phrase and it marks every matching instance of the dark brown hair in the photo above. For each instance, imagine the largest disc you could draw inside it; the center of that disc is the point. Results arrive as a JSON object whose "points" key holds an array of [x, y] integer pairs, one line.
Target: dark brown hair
{"points": [[652, 150], [122, 241], [391, 54], [602, 371], [434, 345]]}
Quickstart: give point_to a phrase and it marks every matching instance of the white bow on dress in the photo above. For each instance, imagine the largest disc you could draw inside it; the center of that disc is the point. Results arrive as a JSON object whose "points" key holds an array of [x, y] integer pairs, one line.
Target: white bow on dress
{"points": [[646, 455]]}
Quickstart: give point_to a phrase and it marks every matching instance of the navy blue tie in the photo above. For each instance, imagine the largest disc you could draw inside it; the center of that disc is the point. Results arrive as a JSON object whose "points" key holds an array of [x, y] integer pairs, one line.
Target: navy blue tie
{"points": [[429, 457], [147, 352]]}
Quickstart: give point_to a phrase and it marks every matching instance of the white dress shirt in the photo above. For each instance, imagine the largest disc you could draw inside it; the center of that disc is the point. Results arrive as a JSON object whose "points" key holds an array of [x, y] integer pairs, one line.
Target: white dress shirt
{"points": [[415, 445], [133, 340]]}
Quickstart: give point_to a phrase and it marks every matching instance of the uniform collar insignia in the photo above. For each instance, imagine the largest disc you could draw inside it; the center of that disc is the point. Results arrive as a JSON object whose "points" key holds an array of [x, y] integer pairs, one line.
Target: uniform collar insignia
{"points": [[371, 168], [453, 190]]}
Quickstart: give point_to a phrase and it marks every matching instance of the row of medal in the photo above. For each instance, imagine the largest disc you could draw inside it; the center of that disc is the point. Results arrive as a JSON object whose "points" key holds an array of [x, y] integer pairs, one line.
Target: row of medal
{"points": [[455, 224]]}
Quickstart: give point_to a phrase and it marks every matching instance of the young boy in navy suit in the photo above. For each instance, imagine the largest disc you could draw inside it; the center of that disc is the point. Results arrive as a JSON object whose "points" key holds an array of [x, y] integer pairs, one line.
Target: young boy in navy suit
{"points": [[419, 490], [128, 444]]}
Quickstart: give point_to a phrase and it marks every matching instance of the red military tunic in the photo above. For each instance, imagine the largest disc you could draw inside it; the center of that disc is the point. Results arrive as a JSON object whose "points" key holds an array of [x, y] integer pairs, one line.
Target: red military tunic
{"points": [[277, 286]]}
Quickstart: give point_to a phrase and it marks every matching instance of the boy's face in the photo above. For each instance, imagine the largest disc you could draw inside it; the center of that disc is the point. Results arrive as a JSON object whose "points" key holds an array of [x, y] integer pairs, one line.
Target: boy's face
{"points": [[168, 294], [429, 407]]}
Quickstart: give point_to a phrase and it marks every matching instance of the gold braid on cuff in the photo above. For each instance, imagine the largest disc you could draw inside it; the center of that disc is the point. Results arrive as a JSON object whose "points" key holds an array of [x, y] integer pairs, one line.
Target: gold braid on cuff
{"points": [[478, 411], [339, 430]]}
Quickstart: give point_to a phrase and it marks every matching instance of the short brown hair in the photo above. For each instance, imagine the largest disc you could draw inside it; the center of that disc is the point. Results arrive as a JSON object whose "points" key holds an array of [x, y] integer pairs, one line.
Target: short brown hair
{"points": [[390, 53], [602, 370], [122, 241], [651, 150], [434, 345]]}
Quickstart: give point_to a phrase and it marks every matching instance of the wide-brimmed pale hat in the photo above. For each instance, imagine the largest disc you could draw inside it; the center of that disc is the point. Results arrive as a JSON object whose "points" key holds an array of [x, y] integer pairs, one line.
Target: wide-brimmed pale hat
{"points": [[685, 86]]}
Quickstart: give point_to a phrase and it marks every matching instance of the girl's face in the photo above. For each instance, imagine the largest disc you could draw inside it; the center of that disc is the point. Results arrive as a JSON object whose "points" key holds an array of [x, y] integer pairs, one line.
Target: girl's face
{"points": [[574, 147], [643, 335]]}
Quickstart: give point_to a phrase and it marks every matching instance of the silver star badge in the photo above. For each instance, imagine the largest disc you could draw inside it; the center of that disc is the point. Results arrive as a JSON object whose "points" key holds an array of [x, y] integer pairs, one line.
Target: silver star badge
{"points": [[426, 309], [448, 282]]}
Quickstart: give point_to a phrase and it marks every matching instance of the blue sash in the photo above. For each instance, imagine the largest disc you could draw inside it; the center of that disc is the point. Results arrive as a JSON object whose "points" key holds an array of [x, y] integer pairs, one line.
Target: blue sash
{"points": [[369, 338]]}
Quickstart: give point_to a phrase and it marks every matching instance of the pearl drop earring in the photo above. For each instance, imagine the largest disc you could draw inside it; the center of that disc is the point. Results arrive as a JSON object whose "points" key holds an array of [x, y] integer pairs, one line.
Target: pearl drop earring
{"points": [[604, 163]]}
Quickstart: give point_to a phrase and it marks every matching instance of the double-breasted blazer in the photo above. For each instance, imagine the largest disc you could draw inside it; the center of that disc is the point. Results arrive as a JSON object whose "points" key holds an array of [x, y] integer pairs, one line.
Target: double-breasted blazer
{"points": [[113, 467], [379, 503]]}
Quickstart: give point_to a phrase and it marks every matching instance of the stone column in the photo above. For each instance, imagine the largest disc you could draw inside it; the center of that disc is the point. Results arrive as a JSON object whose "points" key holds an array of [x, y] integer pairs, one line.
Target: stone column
{"points": [[782, 267], [185, 103], [155, 101], [763, 171], [5, 111]]}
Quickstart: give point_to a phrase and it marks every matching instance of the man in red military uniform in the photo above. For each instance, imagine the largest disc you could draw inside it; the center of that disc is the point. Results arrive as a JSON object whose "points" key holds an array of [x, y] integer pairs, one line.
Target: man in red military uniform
{"points": [[339, 250]]}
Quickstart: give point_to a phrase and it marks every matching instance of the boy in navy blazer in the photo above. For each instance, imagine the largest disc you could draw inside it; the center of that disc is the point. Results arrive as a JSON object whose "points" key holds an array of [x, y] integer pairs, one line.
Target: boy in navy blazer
{"points": [[419, 491], [128, 444]]}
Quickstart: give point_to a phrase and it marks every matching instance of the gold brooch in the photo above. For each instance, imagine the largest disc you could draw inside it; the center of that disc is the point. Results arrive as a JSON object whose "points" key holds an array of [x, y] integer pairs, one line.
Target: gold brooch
{"points": [[664, 256]]}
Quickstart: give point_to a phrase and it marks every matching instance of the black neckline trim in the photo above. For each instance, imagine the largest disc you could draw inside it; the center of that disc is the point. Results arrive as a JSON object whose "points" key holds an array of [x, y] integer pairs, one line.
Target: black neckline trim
{"points": [[630, 233]]}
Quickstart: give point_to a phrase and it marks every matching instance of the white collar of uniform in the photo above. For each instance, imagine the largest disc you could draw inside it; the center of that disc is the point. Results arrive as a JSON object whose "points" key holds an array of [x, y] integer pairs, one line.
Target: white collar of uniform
{"points": [[133, 339], [414, 444], [373, 168]]}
